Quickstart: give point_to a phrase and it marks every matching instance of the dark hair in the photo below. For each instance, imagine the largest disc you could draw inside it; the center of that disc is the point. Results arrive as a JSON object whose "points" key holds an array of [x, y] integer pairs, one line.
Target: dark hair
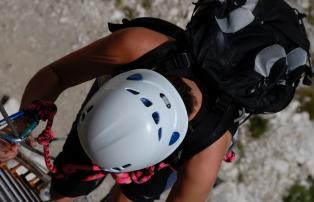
{"points": [[183, 89]]}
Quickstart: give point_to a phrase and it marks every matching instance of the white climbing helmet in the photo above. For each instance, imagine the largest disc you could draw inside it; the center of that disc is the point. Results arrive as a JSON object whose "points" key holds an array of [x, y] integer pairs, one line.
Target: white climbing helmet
{"points": [[135, 120]]}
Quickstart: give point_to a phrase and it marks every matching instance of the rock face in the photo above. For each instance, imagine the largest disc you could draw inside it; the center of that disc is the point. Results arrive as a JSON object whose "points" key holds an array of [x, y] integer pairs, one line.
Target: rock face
{"points": [[35, 33], [270, 165]]}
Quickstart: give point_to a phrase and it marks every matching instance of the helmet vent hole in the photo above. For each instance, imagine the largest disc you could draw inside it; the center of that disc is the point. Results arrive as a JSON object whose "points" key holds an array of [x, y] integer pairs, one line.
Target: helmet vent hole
{"points": [[166, 101], [156, 117], [116, 169], [133, 91], [83, 117], [174, 138], [159, 134], [146, 102], [135, 77], [126, 166], [90, 108]]}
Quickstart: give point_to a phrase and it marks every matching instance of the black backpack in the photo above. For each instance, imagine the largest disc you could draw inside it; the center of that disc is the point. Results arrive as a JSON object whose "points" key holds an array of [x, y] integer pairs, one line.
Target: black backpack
{"points": [[249, 54], [255, 50]]}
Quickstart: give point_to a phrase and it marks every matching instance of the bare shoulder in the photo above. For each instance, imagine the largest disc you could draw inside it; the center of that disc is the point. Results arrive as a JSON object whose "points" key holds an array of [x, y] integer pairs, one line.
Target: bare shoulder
{"points": [[135, 42], [105, 55]]}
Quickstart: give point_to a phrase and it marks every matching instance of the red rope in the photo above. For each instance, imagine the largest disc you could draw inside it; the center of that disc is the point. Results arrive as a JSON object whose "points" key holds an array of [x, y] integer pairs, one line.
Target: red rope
{"points": [[229, 157], [139, 176], [45, 111], [68, 169]]}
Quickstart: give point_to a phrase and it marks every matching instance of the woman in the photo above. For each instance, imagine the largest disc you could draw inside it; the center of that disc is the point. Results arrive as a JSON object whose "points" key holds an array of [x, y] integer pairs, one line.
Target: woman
{"points": [[103, 57]]}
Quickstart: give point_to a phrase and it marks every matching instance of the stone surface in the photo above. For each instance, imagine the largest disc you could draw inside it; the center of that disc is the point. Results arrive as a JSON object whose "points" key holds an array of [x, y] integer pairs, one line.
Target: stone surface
{"points": [[35, 33]]}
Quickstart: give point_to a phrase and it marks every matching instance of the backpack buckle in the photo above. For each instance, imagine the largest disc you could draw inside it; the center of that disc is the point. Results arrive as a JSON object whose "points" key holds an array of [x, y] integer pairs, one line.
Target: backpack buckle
{"points": [[182, 60]]}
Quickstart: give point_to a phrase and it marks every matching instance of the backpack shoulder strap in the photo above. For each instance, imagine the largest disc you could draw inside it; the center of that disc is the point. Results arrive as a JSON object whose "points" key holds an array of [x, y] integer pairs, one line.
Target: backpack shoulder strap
{"points": [[155, 24], [171, 56]]}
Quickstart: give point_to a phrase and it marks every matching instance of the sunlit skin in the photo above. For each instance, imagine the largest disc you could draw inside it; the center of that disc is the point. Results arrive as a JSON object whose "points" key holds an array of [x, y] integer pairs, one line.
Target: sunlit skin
{"points": [[103, 57]]}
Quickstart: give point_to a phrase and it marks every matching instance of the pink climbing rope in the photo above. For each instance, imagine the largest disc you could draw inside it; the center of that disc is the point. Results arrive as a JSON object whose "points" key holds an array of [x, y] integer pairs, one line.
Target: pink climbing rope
{"points": [[229, 157], [139, 176], [45, 111]]}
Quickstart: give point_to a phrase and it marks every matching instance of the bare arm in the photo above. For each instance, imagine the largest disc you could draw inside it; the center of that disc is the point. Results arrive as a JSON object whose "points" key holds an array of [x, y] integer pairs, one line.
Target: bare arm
{"points": [[197, 176], [99, 58]]}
